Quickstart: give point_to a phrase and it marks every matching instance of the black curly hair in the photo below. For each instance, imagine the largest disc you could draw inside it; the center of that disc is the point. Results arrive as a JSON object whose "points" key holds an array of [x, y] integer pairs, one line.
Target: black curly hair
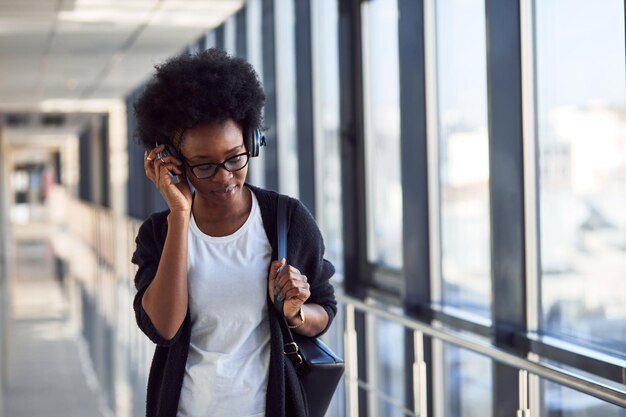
{"points": [[210, 86]]}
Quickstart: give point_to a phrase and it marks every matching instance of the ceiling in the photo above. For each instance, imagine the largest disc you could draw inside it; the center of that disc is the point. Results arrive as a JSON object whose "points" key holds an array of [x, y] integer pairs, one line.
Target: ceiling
{"points": [[85, 50]]}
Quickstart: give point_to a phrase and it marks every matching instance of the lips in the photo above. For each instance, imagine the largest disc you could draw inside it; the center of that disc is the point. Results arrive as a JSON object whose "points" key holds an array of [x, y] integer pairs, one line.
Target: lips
{"points": [[225, 190]]}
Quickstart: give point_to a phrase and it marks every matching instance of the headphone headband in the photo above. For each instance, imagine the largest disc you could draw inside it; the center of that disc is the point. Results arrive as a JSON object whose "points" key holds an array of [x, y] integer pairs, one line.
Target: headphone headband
{"points": [[254, 140]]}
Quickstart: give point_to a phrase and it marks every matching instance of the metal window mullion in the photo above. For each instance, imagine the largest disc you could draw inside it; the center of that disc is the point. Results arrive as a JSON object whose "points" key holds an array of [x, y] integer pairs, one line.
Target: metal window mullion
{"points": [[304, 104], [367, 135], [414, 157], [506, 190], [416, 288], [133, 193], [357, 273], [241, 49], [436, 394], [219, 36], [318, 121], [432, 147], [506, 167], [531, 177], [531, 190], [105, 156]]}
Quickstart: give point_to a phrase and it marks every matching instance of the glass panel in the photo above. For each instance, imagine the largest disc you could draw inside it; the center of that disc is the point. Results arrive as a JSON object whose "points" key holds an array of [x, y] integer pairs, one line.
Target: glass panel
{"points": [[467, 383], [463, 155], [326, 114], [390, 368], [559, 401], [286, 98], [382, 131], [581, 98]]}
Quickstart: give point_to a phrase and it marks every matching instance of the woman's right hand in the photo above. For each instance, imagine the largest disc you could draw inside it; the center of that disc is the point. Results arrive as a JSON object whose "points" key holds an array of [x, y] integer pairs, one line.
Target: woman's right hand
{"points": [[177, 196]]}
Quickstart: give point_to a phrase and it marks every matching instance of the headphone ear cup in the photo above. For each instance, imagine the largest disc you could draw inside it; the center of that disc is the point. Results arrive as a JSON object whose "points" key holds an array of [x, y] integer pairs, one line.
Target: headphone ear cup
{"points": [[255, 139]]}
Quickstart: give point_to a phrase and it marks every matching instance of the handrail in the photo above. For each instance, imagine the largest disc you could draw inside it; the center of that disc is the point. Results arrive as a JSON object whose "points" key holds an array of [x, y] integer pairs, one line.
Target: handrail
{"points": [[543, 370]]}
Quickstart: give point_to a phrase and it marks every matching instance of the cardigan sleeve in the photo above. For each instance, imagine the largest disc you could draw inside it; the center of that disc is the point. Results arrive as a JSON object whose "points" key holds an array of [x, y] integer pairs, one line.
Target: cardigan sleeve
{"points": [[149, 246], [306, 252]]}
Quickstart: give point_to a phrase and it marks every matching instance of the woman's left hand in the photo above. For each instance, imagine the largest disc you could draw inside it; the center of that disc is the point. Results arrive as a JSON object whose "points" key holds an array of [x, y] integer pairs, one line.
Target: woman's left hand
{"points": [[292, 287]]}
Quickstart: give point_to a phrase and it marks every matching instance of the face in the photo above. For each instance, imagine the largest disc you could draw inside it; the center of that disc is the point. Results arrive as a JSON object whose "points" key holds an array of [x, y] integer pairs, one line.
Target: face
{"points": [[215, 143]]}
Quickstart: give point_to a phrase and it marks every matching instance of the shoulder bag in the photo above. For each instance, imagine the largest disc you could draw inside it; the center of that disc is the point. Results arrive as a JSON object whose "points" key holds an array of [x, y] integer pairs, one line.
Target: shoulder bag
{"points": [[317, 366]]}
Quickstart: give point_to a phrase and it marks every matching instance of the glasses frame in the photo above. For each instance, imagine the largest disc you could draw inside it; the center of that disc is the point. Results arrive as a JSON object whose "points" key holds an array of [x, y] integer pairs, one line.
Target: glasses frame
{"points": [[217, 166]]}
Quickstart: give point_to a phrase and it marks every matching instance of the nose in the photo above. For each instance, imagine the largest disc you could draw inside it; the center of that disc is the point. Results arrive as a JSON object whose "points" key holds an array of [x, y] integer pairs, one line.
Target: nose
{"points": [[221, 174]]}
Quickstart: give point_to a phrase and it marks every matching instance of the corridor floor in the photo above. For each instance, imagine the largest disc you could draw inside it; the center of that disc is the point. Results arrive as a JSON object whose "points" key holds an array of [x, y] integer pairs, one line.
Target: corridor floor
{"points": [[47, 375]]}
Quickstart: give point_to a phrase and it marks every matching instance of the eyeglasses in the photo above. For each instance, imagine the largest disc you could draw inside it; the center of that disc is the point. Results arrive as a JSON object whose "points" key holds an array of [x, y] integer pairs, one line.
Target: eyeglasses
{"points": [[204, 171]]}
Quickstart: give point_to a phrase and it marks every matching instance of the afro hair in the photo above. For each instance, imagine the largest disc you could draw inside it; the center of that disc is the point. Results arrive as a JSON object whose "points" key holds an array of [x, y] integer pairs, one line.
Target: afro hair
{"points": [[187, 90]]}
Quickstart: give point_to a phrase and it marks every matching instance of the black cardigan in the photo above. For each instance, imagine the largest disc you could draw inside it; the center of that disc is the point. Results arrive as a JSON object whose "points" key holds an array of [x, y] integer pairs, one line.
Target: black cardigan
{"points": [[305, 252]]}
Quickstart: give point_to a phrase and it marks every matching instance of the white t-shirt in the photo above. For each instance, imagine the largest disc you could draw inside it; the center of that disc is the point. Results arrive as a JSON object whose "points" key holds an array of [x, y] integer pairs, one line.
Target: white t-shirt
{"points": [[227, 369]]}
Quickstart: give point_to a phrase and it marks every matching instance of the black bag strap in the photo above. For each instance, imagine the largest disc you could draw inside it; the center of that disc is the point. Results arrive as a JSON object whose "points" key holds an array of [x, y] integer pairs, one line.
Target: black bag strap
{"points": [[291, 349]]}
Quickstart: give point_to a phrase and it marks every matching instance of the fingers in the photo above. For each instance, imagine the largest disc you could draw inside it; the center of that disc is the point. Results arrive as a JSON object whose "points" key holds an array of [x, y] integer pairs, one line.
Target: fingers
{"points": [[275, 269], [154, 153], [297, 292], [277, 265], [156, 166], [292, 284], [151, 155], [165, 166]]}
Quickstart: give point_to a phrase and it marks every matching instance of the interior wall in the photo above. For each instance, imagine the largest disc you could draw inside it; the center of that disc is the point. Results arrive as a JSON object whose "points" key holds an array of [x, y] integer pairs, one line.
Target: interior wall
{"points": [[4, 178]]}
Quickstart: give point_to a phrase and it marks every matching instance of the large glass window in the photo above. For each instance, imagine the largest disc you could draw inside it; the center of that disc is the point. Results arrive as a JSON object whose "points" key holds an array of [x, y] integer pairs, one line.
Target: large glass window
{"points": [[326, 115], [581, 116], [286, 97], [382, 131], [463, 155]]}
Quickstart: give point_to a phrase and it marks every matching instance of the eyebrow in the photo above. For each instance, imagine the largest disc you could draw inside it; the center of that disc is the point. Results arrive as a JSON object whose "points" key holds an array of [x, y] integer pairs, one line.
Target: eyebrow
{"points": [[226, 153]]}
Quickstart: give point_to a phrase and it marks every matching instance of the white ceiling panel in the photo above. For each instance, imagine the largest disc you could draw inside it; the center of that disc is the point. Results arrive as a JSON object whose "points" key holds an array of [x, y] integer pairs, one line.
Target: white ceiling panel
{"points": [[92, 49]]}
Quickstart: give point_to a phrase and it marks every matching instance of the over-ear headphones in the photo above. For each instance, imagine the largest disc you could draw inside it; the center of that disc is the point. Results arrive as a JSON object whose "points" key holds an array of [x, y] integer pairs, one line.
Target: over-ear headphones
{"points": [[254, 140]]}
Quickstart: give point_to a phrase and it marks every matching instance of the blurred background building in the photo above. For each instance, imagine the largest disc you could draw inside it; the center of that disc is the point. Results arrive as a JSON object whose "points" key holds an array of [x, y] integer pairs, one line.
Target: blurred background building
{"points": [[465, 160]]}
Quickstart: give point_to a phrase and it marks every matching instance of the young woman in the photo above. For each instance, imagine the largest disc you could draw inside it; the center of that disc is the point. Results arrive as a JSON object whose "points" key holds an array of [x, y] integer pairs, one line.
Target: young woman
{"points": [[207, 266]]}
